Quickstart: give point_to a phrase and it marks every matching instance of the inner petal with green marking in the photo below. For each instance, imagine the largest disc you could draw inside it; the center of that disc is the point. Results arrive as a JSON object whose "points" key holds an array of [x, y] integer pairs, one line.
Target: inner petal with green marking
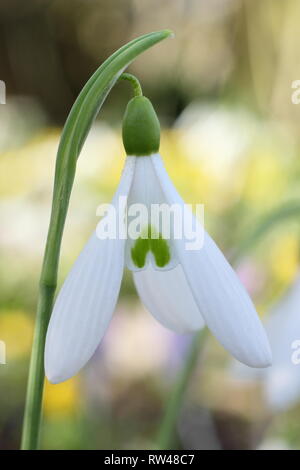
{"points": [[150, 241]]}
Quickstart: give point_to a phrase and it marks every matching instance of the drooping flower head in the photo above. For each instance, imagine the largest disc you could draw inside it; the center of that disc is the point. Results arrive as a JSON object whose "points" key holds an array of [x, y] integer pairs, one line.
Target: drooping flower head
{"points": [[183, 288]]}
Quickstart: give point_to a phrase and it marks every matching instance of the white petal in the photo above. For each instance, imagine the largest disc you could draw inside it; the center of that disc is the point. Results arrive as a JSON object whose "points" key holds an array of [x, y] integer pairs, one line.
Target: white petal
{"points": [[86, 300], [222, 300], [168, 297]]}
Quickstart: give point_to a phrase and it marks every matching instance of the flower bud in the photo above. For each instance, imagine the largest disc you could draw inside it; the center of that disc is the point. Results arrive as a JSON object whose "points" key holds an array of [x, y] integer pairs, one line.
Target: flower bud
{"points": [[141, 128]]}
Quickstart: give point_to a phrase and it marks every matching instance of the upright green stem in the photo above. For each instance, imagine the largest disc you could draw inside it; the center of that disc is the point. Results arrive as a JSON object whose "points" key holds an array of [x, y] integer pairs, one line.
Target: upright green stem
{"points": [[34, 397], [173, 408], [78, 124]]}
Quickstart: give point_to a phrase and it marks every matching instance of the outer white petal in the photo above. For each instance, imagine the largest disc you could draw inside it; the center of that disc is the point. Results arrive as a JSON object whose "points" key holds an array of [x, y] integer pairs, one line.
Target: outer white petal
{"points": [[221, 298], [86, 300], [167, 296]]}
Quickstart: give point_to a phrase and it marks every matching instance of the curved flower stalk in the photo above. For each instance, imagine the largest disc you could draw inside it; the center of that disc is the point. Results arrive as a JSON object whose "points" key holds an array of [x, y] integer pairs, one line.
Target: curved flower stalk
{"points": [[281, 382], [182, 288]]}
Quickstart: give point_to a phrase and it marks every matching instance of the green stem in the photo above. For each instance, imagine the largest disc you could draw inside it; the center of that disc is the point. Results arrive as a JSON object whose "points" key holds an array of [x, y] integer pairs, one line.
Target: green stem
{"points": [[32, 416], [137, 89], [168, 424], [78, 124]]}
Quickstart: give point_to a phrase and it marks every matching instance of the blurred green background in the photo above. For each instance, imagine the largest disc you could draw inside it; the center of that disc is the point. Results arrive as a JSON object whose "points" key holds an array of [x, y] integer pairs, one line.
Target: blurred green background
{"points": [[230, 140]]}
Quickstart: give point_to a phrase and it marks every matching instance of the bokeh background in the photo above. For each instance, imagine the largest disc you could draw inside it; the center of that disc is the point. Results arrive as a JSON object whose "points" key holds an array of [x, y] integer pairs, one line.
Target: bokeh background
{"points": [[230, 140]]}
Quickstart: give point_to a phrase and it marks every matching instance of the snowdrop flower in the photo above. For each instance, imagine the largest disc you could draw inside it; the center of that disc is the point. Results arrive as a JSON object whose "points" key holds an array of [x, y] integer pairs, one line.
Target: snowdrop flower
{"points": [[183, 289], [281, 382]]}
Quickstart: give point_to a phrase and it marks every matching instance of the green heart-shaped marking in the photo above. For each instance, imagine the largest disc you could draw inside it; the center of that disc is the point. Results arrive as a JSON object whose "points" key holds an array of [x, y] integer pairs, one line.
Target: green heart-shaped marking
{"points": [[158, 246]]}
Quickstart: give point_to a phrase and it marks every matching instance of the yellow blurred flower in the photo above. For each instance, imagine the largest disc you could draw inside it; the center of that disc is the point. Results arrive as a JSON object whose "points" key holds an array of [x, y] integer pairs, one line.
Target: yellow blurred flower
{"points": [[62, 399], [284, 258], [264, 179], [190, 180], [16, 330], [27, 164], [196, 180]]}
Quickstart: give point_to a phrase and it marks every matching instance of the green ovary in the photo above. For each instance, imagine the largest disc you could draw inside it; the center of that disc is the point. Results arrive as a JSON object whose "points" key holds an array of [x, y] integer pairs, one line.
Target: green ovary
{"points": [[158, 246]]}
